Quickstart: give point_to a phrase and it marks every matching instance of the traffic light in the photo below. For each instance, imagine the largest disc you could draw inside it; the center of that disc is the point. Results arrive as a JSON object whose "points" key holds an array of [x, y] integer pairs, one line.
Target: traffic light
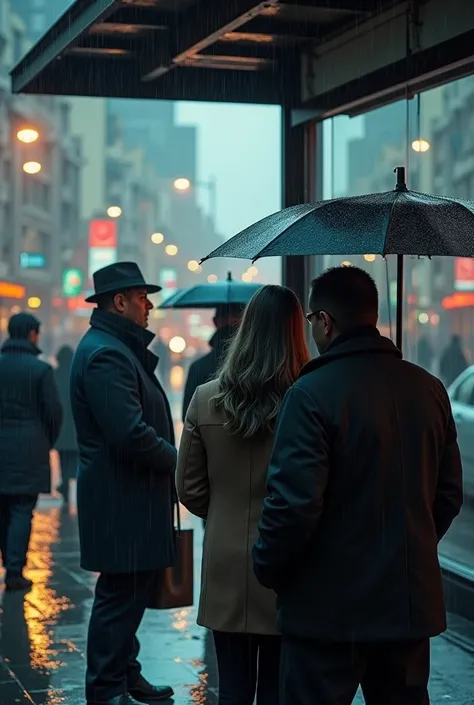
{"points": [[72, 282]]}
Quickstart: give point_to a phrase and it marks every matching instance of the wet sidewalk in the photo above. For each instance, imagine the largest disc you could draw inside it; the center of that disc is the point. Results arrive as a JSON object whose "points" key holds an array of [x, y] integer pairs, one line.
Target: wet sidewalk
{"points": [[43, 634]]}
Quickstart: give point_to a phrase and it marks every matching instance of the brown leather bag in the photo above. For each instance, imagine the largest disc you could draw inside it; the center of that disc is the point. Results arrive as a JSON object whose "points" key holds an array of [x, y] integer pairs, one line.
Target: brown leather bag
{"points": [[175, 585]]}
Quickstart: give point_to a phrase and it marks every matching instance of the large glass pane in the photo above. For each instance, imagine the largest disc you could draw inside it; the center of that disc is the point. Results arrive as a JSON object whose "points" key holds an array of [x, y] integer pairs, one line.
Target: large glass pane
{"points": [[432, 135]]}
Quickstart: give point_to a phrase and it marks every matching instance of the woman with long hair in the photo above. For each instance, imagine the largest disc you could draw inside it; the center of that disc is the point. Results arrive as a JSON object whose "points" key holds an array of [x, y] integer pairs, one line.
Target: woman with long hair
{"points": [[221, 477]]}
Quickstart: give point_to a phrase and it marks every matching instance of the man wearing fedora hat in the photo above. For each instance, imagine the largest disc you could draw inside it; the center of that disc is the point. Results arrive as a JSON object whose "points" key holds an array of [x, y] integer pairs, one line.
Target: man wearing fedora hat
{"points": [[125, 482]]}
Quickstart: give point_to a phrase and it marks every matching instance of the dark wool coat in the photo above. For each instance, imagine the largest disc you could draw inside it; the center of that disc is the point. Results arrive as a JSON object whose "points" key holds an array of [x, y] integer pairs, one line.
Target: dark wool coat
{"points": [[127, 457], [30, 419], [364, 481]]}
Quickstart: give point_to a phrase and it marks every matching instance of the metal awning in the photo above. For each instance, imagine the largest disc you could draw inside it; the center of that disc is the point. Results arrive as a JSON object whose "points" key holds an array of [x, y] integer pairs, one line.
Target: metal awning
{"points": [[324, 56], [218, 50]]}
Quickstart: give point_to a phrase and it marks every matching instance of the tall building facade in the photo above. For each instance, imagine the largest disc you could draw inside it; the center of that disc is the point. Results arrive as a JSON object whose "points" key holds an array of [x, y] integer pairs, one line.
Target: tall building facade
{"points": [[39, 189]]}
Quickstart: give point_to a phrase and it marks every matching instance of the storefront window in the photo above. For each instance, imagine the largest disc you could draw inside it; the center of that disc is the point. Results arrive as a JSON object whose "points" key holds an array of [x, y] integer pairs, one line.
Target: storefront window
{"points": [[431, 135]]}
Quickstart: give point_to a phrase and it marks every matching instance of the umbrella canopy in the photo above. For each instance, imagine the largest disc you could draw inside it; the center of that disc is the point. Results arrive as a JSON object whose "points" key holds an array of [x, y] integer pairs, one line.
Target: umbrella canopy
{"points": [[223, 293], [398, 222]]}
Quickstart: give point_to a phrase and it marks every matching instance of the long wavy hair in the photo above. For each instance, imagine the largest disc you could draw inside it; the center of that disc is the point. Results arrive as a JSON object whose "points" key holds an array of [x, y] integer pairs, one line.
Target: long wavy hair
{"points": [[262, 362]]}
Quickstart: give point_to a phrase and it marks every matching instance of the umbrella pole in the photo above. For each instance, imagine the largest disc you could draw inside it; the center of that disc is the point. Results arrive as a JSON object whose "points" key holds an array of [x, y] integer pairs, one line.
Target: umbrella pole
{"points": [[400, 282]]}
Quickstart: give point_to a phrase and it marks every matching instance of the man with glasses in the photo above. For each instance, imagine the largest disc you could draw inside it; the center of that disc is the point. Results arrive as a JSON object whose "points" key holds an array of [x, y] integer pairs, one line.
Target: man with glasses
{"points": [[364, 481]]}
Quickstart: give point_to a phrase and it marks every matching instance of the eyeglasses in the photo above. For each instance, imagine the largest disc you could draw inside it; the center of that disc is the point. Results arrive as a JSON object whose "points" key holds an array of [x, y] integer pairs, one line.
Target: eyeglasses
{"points": [[309, 316]]}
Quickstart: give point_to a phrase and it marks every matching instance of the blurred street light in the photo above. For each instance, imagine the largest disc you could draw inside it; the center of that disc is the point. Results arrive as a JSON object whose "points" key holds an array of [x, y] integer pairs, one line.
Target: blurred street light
{"points": [[171, 250], [253, 271], [370, 258], [246, 277], [212, 278], [182, 184], [114, 211], [34, 302], [27, 135], [157, 238], [177, 344], [193, 265], [31, 167], [420, 145], [346, 263]]}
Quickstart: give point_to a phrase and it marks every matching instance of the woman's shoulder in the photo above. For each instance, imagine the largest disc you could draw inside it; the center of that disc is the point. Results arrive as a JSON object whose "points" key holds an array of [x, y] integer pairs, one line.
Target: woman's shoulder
{"points": [[209, 389]]}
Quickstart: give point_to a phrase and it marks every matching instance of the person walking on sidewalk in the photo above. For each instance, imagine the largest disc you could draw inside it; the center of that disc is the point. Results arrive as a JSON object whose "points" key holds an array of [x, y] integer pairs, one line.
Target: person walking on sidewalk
{"points": [[30, 421], [222, 469], [66, 445], [125, 481], [364, 481]]}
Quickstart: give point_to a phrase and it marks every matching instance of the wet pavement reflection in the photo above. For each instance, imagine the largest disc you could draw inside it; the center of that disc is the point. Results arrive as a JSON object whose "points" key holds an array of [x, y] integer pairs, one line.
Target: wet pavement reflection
{"points": [[43, 633]]}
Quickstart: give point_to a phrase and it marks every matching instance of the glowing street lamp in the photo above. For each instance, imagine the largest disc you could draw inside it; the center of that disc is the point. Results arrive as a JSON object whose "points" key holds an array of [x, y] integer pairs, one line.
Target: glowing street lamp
{"points": [[27, 135], [177, 344], [114, 211], [246, 277], [346, 263], [253, 271], [193, 265], [420, 145], [34, 302], [212, 278], [182, 184], [157, 238], [31, 167], [370, 258], [171, 250]]}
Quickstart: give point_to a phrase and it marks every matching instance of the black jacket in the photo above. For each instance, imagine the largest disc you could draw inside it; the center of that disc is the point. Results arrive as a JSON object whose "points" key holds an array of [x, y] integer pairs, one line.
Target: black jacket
{"points": [[125, 482], [206, 367], [30, 419], [364, 480]]}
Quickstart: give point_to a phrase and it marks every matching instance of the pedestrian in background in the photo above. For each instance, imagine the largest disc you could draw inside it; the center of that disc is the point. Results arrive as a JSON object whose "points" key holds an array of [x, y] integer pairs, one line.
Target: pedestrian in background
{"points": [[125, 482], [453, 361], [66, 445], [364, 481], [221, 477], [30, 422], [205, 368]]}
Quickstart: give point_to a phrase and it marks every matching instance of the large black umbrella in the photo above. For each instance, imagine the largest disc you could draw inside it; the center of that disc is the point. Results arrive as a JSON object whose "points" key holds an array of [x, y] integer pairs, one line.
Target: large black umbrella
{"points": [[221, 293], [398, 222]]}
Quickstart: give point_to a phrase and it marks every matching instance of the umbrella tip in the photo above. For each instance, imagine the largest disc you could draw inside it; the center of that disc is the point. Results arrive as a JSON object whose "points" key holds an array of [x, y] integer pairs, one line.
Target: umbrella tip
{"points": [[229, 276], [401, 180]]}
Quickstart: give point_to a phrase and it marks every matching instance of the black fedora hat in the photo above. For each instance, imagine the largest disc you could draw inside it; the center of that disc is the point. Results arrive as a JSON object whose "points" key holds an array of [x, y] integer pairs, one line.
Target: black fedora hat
{"points": [[119, 276]]}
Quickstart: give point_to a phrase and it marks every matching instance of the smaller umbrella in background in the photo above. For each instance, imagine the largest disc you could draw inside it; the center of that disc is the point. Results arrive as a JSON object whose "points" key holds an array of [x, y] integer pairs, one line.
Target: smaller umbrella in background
{"points": [[398, 222], [221, 293]]}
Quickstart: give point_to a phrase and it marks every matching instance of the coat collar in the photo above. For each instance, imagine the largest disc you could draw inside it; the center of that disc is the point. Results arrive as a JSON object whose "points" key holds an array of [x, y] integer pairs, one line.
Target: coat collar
{"points": [[358, 341], [132, 335], [12, 345]]}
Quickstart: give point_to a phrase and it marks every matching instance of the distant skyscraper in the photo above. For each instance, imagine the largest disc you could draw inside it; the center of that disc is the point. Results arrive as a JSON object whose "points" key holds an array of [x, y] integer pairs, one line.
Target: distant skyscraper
{"points": [[150, 125], [39, 15]]}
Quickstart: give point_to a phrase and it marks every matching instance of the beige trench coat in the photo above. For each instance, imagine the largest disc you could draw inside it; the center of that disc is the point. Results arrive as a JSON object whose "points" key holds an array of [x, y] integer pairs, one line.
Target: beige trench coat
{"points": [[222, 478]]}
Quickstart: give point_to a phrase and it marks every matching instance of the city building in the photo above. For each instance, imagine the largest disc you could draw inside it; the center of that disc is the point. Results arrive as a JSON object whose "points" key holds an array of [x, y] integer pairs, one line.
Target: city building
{"points": [[40, 163]]}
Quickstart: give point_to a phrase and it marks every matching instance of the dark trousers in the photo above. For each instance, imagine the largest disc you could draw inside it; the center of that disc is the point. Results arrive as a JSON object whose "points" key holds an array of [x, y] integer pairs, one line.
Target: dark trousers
{"points": [[112, 646], [248, 664], [330, 673], [68, 460], [16, 513]]}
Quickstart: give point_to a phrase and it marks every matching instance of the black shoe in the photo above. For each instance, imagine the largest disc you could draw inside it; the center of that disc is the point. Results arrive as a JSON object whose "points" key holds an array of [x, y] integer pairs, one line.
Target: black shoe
{"points": [[124, 699], [17, 582], [145, 692]]}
